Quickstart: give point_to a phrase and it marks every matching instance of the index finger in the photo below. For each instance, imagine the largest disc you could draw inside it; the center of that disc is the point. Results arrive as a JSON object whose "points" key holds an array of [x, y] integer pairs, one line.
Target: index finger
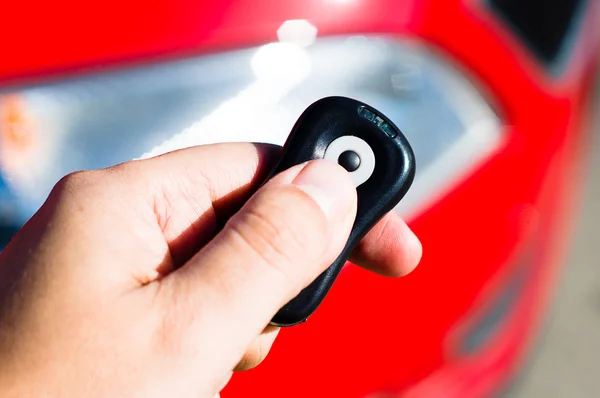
{"points": [[390, 248], [231, 173]]}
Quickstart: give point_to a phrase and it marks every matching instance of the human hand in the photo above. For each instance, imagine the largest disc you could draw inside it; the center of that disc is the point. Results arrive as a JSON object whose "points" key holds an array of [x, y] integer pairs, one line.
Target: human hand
{"points": [[118, 285]]}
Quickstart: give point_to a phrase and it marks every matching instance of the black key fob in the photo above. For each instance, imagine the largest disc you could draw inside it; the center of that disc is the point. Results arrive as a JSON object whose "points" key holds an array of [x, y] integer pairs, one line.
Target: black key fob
{"points": [[380, 162]]}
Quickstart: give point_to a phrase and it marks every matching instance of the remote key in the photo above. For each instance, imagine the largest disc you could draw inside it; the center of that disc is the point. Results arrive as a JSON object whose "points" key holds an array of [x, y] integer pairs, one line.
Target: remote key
{"points": [[379, 160]]}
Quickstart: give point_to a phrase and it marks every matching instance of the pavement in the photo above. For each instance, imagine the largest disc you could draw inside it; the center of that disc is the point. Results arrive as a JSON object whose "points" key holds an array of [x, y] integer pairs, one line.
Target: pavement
{"points": [[567, 363]]}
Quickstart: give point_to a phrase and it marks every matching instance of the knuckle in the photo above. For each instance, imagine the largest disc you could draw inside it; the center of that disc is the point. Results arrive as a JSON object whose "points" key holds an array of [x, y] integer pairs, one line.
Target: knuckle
{"points": [[125, 174], [74, 183], [86, 181], [79, 187], [73, 190]]}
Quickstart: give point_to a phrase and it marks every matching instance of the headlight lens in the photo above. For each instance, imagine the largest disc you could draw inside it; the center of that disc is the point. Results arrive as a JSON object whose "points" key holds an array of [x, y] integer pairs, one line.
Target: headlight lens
{"points": [[253, 94]]}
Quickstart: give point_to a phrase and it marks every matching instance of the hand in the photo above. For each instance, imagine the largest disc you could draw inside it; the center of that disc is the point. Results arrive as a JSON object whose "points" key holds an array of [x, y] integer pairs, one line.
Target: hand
{"points": [[118, 285]]}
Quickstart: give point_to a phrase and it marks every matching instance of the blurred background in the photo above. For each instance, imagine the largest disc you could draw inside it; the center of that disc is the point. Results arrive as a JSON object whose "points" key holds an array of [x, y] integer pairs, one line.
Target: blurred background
{"points": [[499, 99], [564, 363]]}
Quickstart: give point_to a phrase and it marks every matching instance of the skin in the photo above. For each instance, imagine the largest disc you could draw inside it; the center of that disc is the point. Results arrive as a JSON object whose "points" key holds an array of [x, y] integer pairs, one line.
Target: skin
{"points": [[158, 277]]}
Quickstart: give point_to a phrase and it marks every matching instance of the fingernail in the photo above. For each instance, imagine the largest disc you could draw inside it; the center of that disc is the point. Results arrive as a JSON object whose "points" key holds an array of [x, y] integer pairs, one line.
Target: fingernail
{"points": [[329, 186]]}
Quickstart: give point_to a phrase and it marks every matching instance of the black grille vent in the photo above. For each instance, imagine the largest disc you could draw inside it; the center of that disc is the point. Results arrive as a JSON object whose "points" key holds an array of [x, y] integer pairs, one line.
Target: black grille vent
{"points": [[543, 24]]}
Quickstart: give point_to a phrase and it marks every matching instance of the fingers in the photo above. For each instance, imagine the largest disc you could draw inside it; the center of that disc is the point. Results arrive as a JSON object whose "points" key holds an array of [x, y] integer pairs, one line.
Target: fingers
{"points": [[390, 248], [281, 240], [194, 189], [258, 349]]}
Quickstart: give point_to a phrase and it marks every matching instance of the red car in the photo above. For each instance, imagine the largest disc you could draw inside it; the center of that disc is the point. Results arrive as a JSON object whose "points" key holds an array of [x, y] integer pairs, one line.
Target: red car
{"points": [[492, 95]]}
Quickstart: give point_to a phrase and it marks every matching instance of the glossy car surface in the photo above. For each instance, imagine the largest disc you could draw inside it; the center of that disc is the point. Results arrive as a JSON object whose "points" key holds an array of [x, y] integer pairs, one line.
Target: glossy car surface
{"points": [[493, 234]]}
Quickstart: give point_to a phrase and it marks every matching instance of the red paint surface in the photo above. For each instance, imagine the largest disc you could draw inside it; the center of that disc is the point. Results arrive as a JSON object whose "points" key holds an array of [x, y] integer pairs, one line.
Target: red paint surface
{"points": [[372, 334]]}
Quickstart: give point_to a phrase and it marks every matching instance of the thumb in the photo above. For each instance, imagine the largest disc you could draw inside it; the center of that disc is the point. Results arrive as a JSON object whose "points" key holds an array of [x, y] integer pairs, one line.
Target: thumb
{"points": [[283, 238]]}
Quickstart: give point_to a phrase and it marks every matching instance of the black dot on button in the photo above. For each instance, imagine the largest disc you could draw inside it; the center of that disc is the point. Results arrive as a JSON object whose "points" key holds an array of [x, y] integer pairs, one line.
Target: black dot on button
{"points": [[349, 160]]}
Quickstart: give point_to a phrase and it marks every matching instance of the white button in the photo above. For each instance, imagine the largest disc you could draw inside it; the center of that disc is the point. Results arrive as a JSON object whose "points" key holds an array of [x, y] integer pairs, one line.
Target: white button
{"points": [[364, 151]]}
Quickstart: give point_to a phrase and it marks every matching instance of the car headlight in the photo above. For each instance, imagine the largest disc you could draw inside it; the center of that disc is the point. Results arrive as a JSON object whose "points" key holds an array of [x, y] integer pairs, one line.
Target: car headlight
{"points": [[255, 94]]}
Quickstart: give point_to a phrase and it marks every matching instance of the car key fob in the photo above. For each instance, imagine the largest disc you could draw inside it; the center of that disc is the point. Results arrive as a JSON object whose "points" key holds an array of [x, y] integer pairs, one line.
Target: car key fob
{"points": [[381, 164]]}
